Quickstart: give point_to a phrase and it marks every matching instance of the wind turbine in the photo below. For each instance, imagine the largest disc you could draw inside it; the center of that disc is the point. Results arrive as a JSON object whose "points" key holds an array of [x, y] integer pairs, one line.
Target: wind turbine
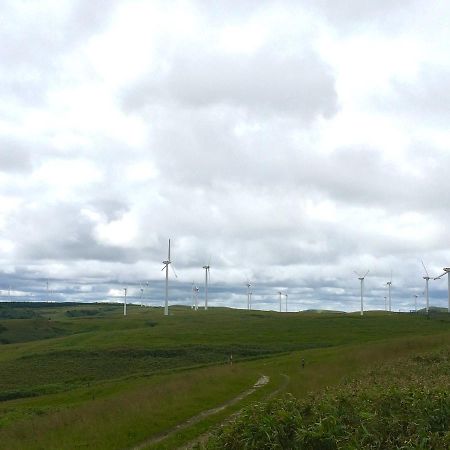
{"points": [[286, 301], [124, 301], [280, 294], [446, 272], [195, 290], [166, 266], [361, 278], [385, 303], [206, 267], [248, 293], [250, 296], [427, 279], [142, 294], [415, 302], [388, 284]]}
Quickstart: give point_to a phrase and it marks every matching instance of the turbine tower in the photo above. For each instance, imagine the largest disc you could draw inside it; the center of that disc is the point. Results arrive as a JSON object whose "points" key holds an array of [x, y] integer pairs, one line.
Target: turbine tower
{"points": [[250, 296], [206, 267], [415, 303], [286, 302], [280, 294], [446, 272], [124, 301], [385, 303], [166, 267], [427, 279], [142, 294], [361, 279]]}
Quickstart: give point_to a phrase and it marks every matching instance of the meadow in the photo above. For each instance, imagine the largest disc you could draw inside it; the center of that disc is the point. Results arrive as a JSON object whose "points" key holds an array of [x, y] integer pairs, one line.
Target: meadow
{"points": [[84, 376]]}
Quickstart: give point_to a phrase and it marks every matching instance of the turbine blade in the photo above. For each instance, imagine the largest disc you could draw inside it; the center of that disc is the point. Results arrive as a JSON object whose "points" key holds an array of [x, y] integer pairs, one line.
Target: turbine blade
{"points": [[391, 276], [168, 259], [440, 276], [173, 270], [366, 273], [163, 267], [426, 271], [356, 273]]}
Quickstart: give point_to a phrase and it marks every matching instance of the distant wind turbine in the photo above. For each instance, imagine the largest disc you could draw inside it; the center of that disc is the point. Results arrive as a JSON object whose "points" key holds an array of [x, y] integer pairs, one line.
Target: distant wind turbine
{"points": [[124, 301], [385, 303], [446, 272], [280, 294], [389, 284], [166, 267], [195, 290], [206, 267], [286, 302], [427, 279], [248, 293], [250, 296], [415, 302], [361, 279]]}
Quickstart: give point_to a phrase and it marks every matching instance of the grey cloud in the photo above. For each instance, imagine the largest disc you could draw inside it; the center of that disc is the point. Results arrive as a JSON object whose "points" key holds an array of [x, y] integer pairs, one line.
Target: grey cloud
{"points": [[57, 231], [14, 156], [267, 82], [426, 98]]}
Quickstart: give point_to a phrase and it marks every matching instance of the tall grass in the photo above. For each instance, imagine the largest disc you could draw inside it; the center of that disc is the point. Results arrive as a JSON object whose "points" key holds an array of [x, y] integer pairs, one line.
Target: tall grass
{"points": [[399, 405]]}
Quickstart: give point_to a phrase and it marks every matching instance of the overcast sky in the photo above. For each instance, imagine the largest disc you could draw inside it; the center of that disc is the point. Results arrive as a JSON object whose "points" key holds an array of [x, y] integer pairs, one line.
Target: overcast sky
{"points": [[288, 142]]}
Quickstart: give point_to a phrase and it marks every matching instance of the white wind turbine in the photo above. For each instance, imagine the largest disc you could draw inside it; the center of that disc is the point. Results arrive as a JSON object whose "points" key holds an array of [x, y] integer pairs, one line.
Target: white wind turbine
{"points": [[250, 296], [124, 301], [385, 303], [248, 293], [286, 302], [142, 294], [415, 302], [361, 279], [427, 279], [195, 290], [389, 284], [206, 267], [280, 294], [446, 272], [166, 267]]}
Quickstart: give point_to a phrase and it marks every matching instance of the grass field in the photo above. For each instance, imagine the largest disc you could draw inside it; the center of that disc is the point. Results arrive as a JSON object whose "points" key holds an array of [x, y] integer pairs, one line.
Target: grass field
{"points": [[84, 376]]}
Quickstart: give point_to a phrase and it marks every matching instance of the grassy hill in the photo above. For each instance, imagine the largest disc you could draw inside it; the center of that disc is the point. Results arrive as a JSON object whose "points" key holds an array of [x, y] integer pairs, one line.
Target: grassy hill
{"points": [[83, 373]]}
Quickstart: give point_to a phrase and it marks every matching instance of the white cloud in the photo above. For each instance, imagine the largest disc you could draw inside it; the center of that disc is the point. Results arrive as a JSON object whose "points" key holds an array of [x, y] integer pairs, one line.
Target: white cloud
{"points": [[291, 142]]}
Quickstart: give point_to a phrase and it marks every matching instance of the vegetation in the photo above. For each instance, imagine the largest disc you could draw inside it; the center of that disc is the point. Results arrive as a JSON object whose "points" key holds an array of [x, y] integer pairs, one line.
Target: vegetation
{"points": [[82, 375], [400, 405]]}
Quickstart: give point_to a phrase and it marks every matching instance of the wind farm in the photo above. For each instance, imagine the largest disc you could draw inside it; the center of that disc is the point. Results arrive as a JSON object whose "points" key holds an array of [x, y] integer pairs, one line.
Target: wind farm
{"points": [[224, 225]]}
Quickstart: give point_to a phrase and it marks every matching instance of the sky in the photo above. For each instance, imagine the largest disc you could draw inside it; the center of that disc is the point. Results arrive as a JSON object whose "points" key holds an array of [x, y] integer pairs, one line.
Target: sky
{"points": [[289, 143]]}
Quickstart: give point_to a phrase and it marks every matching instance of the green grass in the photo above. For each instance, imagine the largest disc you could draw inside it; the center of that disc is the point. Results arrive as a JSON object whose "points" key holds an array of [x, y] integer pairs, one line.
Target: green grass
{"points": [[85, 376]]}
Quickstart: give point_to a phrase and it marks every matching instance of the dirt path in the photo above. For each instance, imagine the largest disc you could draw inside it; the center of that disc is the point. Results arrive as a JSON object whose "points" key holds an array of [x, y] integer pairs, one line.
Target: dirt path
{"points": [[200, 440], [262, 381]]}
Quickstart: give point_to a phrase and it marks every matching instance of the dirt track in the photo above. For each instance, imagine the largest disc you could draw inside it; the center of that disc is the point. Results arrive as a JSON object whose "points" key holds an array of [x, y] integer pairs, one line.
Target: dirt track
{"points": [[262, 381]]}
